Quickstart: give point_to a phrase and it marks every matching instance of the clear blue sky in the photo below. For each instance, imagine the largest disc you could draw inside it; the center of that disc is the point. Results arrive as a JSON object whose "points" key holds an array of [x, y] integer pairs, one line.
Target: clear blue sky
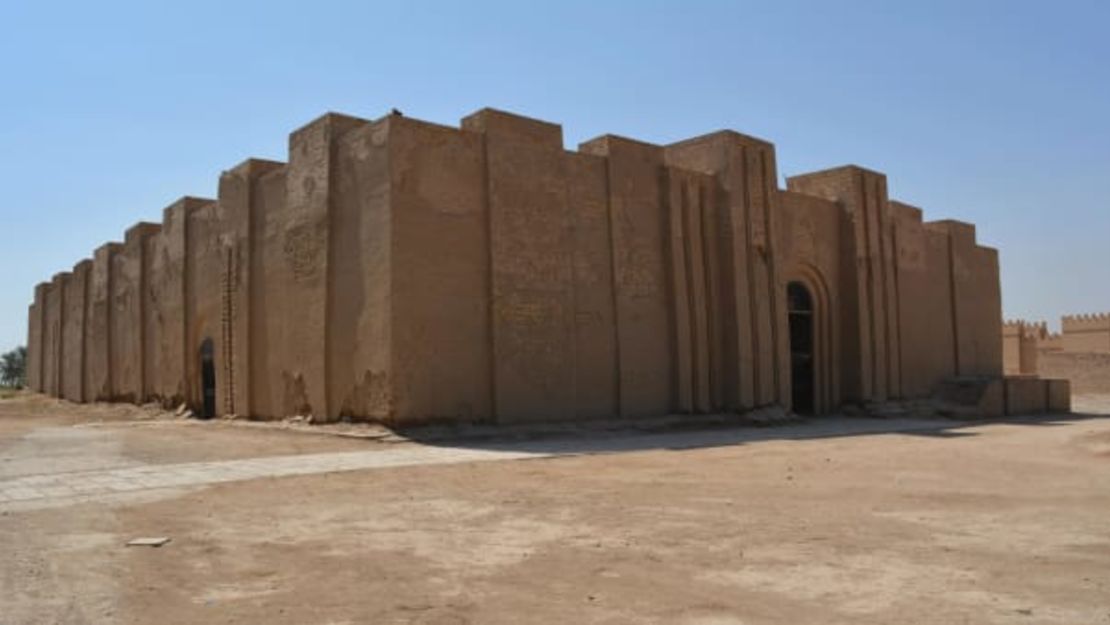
{"points": [[996, 113]]}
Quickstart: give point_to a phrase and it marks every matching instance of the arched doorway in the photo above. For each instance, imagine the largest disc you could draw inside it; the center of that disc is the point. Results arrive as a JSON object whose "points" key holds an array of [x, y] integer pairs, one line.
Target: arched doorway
{"points": [[802, 348], [208, 379]]}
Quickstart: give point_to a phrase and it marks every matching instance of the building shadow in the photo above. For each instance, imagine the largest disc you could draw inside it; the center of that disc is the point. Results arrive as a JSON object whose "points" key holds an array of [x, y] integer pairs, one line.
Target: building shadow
{"points": [[680, 433]]}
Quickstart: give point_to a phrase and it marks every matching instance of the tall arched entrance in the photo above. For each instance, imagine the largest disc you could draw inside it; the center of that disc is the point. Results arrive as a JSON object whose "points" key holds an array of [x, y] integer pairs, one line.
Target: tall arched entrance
{"points": [[803, 365], [208, 379]]}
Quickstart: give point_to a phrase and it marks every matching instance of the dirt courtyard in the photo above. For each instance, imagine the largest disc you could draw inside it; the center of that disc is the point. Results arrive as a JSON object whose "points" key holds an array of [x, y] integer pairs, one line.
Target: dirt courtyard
{"points": [[836, 520]]}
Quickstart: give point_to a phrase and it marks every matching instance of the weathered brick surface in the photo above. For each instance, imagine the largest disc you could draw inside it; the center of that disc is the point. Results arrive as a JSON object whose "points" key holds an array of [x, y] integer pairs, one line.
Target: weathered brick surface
{"points": [[404, 271]]}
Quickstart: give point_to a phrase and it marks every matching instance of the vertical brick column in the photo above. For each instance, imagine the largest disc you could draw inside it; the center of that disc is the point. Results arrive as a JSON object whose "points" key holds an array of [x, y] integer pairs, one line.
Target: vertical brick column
{"points": [[73, 332], [130, 301], [304, 275], [755, 356], [98, 361], [35, 355], [238, 201], [639, 221], [54, 337], [531, 272]]}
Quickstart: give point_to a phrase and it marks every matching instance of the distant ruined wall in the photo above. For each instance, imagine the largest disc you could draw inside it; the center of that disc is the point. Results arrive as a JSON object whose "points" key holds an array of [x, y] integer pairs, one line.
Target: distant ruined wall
{"points": [[403, 271], [1089, 372], [1012, 332], [1051, 342], [1078, 353], [1086, 333]]}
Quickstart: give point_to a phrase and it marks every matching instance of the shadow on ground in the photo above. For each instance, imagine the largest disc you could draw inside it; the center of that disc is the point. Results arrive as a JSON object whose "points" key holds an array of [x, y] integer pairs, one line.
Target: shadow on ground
{"points": [[699, 432]]}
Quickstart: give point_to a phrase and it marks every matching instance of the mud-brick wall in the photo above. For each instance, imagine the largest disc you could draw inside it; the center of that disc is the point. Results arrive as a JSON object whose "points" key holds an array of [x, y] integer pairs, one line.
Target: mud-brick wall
{"points": [[267, 300], [405, 271], [1086, 333], [518, 281], [162, 298], [53, 346], [31, 375], [377, 265], [976, 300], [241, 213], [754, 366], [1089, 372], [323, 239], [166, 320], [151, 322], [73, 332], [98, 326], [35, 326], [531, 267], [358, 343], [565, 277], [1021, 342], [126, 316], [924, 302], [920, 301], [438, 329], [640, 279], [694, 259], [596, 380], [129, 297], [299, 260], [1012, 332]]}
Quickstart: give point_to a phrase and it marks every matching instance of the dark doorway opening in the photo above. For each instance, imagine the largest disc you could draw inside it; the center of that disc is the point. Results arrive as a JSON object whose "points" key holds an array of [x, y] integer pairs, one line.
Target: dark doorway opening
{"points": [[800, 311], [208, 379]]}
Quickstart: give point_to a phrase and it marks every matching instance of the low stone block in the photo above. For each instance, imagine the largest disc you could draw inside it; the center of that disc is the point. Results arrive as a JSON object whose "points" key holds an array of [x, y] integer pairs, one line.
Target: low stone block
{"points": [[970, 398], [992, 403], [1059, 395], [1025, 395]]}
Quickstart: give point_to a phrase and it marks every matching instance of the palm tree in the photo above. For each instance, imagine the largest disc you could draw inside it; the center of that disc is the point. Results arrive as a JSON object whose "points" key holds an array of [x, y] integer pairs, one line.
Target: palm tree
{"points": [[13, 367]]}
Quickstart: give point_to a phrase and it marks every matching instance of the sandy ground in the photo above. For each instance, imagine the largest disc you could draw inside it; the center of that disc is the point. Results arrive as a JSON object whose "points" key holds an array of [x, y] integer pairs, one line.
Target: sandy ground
{"points": [[814, 523]]}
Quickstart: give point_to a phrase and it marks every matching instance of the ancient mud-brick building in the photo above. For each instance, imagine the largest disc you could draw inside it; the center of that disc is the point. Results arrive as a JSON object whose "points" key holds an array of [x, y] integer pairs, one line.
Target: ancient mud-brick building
{"points": [[1080, 352], [404, 271]]}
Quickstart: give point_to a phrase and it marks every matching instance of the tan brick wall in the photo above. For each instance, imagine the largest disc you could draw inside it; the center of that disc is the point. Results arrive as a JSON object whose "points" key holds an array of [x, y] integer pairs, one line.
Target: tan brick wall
{"points": [[404, 271]]}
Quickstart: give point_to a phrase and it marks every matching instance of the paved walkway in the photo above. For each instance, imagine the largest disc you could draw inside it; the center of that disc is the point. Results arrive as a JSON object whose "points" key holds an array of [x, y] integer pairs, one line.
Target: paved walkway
{"points": [[91, 485], [63, 479]]}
